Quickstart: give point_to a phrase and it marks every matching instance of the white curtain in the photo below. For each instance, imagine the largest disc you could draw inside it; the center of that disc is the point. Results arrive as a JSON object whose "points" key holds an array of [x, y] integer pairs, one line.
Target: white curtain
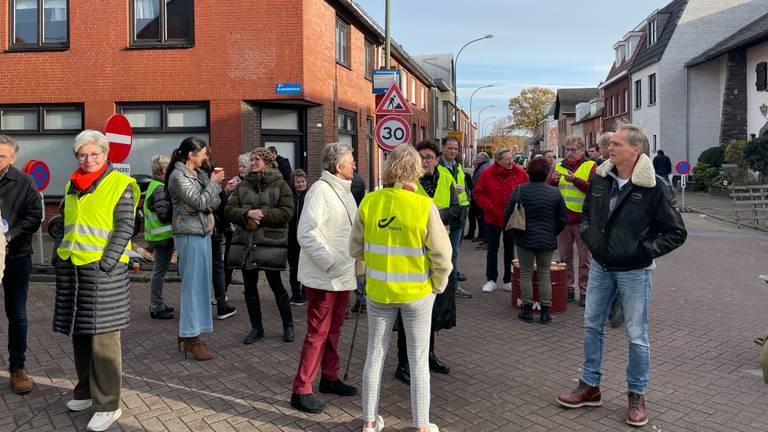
{"points": [[55, 10], [26, 4], [147, 9]]}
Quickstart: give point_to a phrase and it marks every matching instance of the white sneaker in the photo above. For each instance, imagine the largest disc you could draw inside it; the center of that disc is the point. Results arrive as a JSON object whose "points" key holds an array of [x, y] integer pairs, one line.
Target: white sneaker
{"points": [[433, 428], [79, 404], [377, 427], [101, 421], [489, 286], [507, 286]]}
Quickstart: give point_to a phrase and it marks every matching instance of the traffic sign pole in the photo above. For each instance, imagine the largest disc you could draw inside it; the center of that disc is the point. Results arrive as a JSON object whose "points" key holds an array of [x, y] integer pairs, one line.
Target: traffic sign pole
{"points": [[683, 184], [40, 232]]}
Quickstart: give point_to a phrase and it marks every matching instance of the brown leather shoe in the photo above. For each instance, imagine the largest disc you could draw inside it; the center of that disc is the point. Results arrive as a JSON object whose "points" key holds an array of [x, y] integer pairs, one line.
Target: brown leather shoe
{"points": [[584, 395], [196, 346], [21, 382], [636, 415]]}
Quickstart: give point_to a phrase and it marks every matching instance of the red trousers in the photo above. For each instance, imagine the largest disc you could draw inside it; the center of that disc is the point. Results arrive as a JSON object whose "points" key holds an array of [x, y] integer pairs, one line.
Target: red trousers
{"points": [[325, 316]]}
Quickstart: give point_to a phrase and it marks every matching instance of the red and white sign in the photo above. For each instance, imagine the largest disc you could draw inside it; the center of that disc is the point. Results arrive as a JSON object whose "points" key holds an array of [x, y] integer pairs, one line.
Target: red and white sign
{"points": [[39, 172], [120, 136], [391, 131], [393, 102]]}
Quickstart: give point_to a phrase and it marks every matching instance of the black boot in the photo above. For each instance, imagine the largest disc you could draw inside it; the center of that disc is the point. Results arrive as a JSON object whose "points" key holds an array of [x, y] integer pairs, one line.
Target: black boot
{"points": [[254, 313], [526, 314], [307, 403], [223, 309], [436, 365], [288, 334], [403, 373], [254, 335], [337, 387], [545, 317], [284, 307]]}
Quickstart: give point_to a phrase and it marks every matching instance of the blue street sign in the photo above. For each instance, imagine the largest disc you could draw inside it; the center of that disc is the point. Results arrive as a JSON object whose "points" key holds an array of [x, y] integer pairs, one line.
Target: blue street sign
{"points": [[288, 88], [383, 78]]}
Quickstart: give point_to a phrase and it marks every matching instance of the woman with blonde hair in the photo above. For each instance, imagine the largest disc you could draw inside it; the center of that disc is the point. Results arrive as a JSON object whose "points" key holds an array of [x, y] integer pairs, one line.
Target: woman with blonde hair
{"points": [[407, 253]]}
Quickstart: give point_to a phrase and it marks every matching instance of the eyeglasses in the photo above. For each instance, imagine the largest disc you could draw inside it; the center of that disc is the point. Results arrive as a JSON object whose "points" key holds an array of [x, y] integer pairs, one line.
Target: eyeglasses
{"points": [[428, 158], [82, 157], [571, 149]]}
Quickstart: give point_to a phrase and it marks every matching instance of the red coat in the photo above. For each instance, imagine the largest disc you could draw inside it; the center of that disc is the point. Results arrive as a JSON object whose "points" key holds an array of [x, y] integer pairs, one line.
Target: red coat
{"points": [[493, 189]]}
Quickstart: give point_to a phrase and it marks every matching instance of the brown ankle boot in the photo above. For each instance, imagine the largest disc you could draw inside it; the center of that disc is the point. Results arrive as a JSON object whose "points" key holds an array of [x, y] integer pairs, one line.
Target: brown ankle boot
{"points": [[21, 382], [636, 415], [196, 346]]}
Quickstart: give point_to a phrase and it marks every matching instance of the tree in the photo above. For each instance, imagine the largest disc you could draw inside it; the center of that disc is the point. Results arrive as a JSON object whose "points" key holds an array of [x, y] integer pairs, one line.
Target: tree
{"points": [[529, 108], [756, 155]]}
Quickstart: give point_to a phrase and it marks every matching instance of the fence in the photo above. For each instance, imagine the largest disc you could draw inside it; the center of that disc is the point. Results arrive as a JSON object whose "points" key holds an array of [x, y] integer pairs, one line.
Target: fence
{"points": [[750, 205]]}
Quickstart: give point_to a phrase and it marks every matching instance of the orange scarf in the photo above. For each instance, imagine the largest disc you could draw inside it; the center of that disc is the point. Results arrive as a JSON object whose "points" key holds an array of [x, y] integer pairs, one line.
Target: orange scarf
{"points": [[82, 180]]}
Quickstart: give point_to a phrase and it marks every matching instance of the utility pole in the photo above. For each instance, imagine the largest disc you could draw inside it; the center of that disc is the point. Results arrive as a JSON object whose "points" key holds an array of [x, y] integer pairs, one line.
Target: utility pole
{"points": [[386, 35]]}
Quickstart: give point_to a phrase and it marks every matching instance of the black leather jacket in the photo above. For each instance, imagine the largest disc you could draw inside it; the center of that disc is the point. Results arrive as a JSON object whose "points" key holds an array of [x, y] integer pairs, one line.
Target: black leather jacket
{"points": [[642, 224]]}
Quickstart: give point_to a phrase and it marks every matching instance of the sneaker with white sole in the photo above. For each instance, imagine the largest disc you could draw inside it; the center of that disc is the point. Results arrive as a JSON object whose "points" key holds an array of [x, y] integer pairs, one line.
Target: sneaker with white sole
{"points": [[378, 425], [79, 404], [101, 421], [489, 286], [507, 286], [433, 428]]}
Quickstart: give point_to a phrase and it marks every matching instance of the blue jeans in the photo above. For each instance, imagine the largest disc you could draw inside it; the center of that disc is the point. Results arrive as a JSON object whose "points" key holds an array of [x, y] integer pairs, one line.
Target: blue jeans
{"points": [[16, 285], [634, 289], [162, 257]]}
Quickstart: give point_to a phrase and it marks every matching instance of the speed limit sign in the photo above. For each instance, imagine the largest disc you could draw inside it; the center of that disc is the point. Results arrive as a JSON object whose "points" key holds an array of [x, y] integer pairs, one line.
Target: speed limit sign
{"points": [[391, 131]]}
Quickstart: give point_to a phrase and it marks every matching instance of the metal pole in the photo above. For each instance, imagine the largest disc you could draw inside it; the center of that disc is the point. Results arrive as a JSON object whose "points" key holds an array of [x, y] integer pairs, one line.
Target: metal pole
{"points": [[40, 233], [470, 104], [386, 35]]}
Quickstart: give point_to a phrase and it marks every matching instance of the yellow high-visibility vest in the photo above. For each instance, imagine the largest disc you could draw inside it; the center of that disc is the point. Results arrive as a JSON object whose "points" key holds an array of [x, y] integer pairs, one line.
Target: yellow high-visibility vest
{"points": [[442, 198], [154, 229], [573, 196], [397, 267], [459, 181], [89, 219]]}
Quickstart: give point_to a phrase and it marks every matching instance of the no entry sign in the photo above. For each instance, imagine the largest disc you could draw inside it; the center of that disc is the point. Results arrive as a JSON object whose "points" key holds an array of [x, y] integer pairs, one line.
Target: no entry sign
{"points": [[683, 167], [39, 172], [391, 131], [120, 136]]}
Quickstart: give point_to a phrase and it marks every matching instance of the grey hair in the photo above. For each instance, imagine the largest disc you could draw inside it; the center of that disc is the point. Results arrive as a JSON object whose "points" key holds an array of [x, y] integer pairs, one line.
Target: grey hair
{"points": [[333, 154], [90, 136], [605, 139], [244, 159], [500, 154], [637, 136], [159, 164], [6, 140], [483, 155]]}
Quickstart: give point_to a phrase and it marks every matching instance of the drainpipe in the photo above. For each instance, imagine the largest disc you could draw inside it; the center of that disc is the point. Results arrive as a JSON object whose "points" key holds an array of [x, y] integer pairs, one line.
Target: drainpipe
{"points": [[687, 116]]}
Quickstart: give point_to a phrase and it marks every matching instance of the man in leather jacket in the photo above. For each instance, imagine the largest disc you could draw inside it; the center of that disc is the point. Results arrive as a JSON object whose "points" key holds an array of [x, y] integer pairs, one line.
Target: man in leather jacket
{"points": [[630, 218]]}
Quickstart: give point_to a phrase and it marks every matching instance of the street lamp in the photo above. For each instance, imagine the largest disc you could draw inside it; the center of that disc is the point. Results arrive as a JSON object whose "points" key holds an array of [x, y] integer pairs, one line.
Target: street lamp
{"points": [[485, 123], [480, 115], [470, 100], [455, 84]]}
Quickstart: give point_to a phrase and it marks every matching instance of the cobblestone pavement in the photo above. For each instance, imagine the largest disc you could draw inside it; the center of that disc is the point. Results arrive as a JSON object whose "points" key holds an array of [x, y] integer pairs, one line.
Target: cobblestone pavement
{"points": [[707, 305]]}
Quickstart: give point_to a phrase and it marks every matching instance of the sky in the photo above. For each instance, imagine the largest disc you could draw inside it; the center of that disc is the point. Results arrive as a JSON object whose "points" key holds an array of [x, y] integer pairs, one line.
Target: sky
{"points": [[549, 43]]}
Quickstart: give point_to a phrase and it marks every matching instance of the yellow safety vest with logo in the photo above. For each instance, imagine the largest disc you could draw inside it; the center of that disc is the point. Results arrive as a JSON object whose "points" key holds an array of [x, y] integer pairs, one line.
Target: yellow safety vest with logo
{"points": [[397, 267], [573, 196], [460, 181], [442, 198], [89, 219], [154, 229]]}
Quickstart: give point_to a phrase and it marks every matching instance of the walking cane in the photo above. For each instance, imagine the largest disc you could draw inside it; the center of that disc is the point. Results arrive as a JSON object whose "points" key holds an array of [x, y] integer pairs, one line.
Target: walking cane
{"points": [[354, 335]]}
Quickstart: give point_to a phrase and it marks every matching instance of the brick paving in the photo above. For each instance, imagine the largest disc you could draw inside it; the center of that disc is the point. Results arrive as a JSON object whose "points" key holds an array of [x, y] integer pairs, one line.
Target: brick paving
{"points": [[707, 305]]}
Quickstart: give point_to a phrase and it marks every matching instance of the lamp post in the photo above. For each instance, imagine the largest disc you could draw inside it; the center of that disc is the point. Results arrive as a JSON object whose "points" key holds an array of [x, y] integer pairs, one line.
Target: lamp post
{"points": [[455, 86], [470, 101], [480, 130]]}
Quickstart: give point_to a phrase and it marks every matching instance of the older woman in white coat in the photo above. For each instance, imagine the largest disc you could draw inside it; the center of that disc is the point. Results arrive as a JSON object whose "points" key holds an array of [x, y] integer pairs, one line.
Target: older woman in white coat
{"points": [[327, 273]]}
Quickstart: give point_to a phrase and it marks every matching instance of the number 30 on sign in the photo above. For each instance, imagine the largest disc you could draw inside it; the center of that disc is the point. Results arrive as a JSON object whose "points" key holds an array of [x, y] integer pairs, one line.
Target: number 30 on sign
{"points": [[391, 131]]}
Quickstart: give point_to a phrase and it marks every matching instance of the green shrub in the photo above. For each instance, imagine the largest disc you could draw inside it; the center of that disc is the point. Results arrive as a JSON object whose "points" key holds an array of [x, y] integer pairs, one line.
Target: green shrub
{"points": [[707, 176], [734, 153], [713, 156], [756, 155]]}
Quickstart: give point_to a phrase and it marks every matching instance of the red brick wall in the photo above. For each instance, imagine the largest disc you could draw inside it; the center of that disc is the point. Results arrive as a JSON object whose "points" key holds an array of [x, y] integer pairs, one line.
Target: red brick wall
{"points": [[616, 89]]}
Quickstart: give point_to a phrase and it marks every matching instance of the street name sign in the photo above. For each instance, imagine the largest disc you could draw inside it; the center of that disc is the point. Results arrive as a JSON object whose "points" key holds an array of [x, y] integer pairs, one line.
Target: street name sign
{"points": [[383, 78], [287, 88], [120, 136], [391, 131], [393, 102]]}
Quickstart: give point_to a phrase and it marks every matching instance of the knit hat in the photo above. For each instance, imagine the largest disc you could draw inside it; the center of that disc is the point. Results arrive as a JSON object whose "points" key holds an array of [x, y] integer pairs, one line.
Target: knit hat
{"points": [[264, 154]]}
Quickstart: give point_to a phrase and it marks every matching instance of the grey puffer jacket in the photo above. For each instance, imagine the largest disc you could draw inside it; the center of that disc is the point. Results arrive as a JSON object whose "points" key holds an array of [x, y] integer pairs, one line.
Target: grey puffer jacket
{"points": [[94, 298], [194, 197]]}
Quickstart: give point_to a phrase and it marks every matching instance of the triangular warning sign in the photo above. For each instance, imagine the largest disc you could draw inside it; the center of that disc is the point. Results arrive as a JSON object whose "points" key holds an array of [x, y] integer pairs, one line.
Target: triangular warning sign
{"points": [[393, 102]]}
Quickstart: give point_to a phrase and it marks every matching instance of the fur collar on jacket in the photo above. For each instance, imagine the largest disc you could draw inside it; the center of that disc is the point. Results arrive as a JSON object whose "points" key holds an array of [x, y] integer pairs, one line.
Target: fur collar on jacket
{"points": [[642, 175]]}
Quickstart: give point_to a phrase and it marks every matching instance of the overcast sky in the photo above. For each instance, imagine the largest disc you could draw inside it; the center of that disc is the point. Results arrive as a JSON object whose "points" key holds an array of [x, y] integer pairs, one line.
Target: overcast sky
{"points": [[551, 43]]}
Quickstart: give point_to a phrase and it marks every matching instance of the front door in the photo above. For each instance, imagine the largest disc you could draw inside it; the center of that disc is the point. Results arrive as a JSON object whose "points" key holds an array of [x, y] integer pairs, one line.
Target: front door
{"points": [[287, 146]]}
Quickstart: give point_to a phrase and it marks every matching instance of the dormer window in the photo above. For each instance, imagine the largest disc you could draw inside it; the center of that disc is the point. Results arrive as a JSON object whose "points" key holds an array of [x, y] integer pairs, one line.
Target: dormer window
{"points": [[652, 32]]}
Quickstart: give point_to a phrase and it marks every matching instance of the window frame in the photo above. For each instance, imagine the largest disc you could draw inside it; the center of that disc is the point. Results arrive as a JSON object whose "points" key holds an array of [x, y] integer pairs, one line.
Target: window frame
{"points": [[626, 100], [761, 82], [164, 42], [652, 31], [638, 90], [40, 109], [369, 59], [164, 107], [40, 45], [346, 61], [652, 89]]}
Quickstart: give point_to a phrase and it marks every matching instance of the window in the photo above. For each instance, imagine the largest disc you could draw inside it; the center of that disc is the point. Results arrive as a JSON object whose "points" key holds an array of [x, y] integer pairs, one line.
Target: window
{"points": [[370, 59], [342, 42], [761, 82], [347, 122], [41, 119], [162, 23], [422, 134], [423, 98], [39, 24], [652, 89], [626, 100], [652, 32], [414, 83], [170, 117], [613, 105], [371, 151], [638, 94], [447, 116], [404, 82], [655, 147]]}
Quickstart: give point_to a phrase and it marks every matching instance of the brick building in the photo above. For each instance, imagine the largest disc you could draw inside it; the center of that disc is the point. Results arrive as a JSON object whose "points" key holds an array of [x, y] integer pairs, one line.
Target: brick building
{"points": [[565, 111], [293, 74], [616, 87]]}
